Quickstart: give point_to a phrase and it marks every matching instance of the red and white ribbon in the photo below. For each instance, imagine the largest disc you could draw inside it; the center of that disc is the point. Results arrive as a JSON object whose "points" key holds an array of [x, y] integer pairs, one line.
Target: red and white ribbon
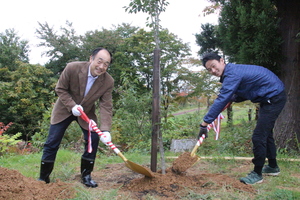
{"points": [[90, 149], [92, 126], [216, 125]]}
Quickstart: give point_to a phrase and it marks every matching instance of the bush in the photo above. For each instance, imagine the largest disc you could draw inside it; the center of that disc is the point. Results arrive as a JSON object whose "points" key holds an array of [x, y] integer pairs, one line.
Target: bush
{"points": [[237, 139], [7, 142]]}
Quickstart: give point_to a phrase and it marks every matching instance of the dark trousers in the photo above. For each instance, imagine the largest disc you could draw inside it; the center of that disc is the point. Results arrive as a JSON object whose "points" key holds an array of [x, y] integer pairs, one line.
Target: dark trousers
{"points": [[262, 138], [56, 133]]}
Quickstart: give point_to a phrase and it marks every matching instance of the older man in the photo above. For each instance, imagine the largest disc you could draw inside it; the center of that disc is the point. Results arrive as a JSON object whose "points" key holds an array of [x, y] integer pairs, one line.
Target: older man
{"points": [[80, 85]]}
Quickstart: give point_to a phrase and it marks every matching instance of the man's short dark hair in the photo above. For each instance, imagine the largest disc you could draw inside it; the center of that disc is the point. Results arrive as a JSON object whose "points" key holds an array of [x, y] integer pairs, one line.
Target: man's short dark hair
{"points": [[210, 56], [95, 51]]}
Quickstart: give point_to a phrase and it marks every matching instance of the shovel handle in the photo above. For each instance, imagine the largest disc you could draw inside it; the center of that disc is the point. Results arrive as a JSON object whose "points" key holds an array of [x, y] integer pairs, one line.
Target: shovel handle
{"points": [[199, 142], [193, 153], [99, 132], [122, 156], [83, 115]]}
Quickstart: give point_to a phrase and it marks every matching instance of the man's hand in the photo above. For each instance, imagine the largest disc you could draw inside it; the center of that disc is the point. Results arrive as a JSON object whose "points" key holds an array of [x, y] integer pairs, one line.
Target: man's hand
{"points": [[203, 130], [106, 137], [75, 110]]}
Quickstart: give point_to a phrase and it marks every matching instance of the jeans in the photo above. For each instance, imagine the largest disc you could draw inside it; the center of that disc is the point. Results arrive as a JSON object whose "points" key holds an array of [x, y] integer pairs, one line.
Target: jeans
{"points": [[56, 133], [262, 138]]}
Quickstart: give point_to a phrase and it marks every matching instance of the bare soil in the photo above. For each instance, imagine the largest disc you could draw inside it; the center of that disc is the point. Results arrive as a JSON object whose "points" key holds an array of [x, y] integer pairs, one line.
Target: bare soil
{"points": [[15, 186], [184, 162], [172, 185]]}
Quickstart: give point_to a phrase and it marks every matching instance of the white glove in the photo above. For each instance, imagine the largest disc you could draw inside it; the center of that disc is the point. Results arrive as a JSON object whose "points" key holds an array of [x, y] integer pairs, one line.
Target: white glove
{"points": [[105, 138], [75, 110]]}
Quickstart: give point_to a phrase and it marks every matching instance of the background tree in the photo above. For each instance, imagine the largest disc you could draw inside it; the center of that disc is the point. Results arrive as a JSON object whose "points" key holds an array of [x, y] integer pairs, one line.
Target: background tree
{"points": [[132, 114], [173, 55], [12, 50], [154, 8], [62, 47], [26, 97], [139, 53], [108, 38], [138, 50], [207, 40], [248, 33], [25, 89], [287, 129]]}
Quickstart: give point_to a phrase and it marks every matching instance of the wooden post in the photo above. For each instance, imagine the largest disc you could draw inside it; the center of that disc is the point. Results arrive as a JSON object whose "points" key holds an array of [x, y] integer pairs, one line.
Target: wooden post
{"points": [[155, 109]]}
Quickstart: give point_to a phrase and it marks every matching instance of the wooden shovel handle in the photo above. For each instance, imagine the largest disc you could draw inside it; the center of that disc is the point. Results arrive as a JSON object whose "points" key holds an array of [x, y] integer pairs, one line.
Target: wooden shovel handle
{"points": [[199, 142]]}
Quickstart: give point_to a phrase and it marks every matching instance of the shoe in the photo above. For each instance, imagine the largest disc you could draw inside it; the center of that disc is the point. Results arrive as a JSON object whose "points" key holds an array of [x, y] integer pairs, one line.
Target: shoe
{"points": [[86, 170], [270, 171], [252, 178], [87, 181]]}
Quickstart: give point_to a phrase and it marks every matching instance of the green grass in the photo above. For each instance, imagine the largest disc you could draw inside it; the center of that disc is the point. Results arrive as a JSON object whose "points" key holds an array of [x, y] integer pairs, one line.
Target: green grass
{"points": [[285, 187], [233, 142]]}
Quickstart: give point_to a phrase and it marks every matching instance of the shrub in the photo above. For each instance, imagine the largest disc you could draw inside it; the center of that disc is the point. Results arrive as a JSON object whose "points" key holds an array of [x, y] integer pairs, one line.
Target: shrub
{"points": [[7, 142]]}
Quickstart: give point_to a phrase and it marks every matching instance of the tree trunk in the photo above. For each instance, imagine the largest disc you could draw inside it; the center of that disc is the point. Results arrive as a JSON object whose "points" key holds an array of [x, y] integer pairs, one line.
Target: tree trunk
{"points": [[256, 111], [249, 114], [287, 128], [155, 110], [229, 116], [208, 102]]}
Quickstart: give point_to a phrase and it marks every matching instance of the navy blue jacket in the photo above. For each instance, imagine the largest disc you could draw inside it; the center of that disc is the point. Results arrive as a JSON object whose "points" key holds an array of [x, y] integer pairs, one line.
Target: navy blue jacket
{"points": [[244, 82]]}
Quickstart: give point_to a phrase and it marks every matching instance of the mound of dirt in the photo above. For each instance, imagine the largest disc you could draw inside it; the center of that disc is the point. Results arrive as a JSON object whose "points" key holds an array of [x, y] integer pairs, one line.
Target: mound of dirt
{"points": [[13, 185], [184, 162], [169, 185]]}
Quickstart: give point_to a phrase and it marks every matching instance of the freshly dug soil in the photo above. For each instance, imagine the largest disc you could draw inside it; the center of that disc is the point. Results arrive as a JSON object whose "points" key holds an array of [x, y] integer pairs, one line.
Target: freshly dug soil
{"points": [[172, 185], [184, 162], [13, 185], [169, 186]]}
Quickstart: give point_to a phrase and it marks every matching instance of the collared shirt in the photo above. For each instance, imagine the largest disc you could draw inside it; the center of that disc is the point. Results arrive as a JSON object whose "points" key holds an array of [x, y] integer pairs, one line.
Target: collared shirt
{"points": [[244, 82], [90, 82]]}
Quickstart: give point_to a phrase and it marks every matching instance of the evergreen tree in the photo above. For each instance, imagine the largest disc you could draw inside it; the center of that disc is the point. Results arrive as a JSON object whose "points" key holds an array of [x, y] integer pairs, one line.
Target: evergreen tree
{"points": [[248, 31]]}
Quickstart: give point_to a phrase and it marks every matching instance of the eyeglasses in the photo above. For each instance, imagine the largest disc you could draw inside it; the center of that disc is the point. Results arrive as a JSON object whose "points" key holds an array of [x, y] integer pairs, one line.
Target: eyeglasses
{"points": [[101, 61]]}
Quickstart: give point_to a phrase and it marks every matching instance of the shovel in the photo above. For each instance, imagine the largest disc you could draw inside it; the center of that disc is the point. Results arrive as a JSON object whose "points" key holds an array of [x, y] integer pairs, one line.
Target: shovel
{"points": [[131, 165], [186, 160]]}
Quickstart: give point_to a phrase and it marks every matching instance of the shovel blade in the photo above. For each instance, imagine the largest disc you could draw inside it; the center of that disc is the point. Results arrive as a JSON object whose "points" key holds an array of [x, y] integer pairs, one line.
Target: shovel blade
{"points": [[139, 169], [135, 167]]}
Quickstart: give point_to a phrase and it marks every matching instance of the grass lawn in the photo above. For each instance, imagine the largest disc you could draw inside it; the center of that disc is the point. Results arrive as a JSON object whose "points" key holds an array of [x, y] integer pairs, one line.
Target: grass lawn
{"points": [[228, 158], [285, 186]]}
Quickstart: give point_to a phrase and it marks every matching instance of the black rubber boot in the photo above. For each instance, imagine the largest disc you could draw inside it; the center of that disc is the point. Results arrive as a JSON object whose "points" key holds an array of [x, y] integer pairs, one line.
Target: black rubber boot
{"points": [[87, 167], [46, 169]]}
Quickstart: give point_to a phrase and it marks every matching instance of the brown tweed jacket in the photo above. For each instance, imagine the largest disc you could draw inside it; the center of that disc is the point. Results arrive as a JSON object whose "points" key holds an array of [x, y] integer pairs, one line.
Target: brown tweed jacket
{"points": [[70, 89]]}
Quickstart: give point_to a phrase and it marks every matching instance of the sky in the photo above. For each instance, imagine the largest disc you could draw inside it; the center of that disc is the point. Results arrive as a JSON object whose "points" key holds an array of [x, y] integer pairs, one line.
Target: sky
{"points": [[182, 17]]}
